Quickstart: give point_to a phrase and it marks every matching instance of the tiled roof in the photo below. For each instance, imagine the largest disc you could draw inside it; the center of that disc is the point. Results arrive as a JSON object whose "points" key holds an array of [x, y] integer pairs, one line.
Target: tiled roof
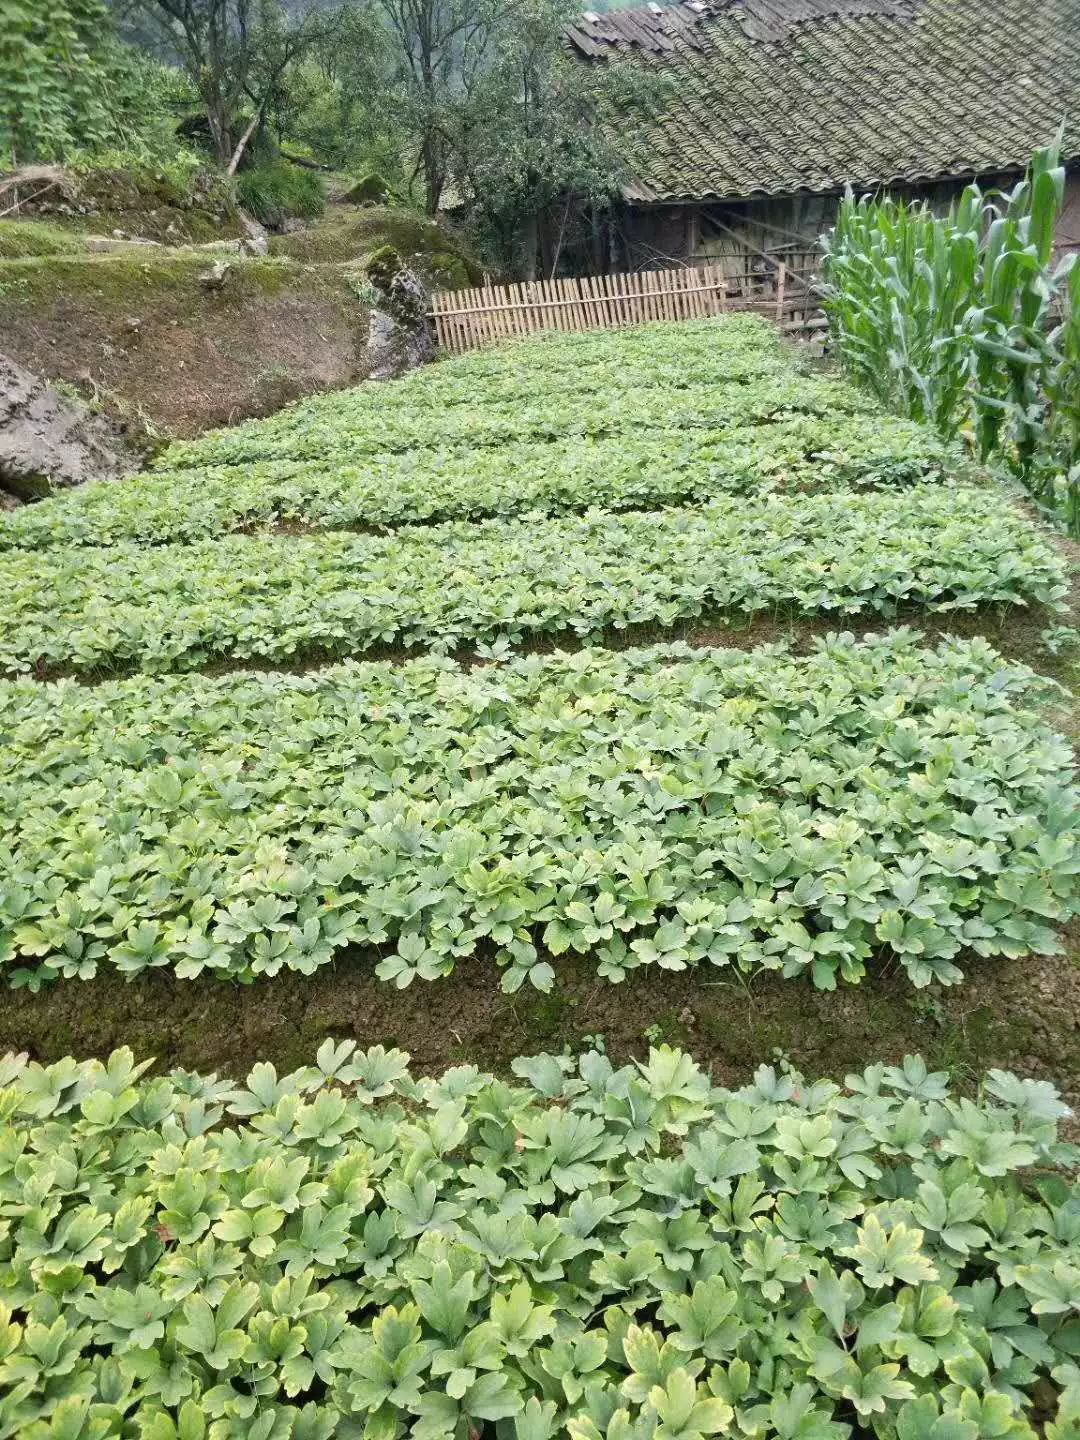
{"points": [[774, 96]]}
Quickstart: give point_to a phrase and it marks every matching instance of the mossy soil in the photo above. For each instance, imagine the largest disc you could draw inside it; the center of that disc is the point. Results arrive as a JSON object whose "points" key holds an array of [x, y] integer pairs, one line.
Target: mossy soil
{"points": [[1022, 1015], [148, 338], [349, 234], [141, 334], [153, 206]]}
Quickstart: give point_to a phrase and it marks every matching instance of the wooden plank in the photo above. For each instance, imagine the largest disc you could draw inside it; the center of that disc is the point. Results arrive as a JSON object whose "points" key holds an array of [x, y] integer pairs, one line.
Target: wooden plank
{"points": [[588, 308], [444, 324], [481, 319], [572, 293], [547, 290], [499, 318], [604, 288], [627, 305], [458, 337], [697, 301], [685, 299], [527, 317], [576, 298], [596, 288]]}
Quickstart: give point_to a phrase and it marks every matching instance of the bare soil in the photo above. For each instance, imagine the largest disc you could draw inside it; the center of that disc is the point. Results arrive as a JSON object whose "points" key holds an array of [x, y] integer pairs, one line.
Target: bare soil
{"points": [[1022, 1015], [144, 336]]}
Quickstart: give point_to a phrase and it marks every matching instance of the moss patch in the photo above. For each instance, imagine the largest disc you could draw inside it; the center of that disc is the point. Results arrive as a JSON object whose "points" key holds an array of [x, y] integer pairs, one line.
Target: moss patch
{"points": [[156, 206], [21, 239], [369, 190]]}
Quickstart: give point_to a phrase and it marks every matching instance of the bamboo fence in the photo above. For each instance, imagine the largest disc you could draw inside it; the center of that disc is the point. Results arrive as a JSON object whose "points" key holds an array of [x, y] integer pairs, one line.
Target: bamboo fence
{"points": [[465, 319]]}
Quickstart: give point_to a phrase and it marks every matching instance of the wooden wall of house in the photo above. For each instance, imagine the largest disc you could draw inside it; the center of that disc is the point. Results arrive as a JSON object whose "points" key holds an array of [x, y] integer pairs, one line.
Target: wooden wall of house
{"points": [[1068, 227], [771, 229]]}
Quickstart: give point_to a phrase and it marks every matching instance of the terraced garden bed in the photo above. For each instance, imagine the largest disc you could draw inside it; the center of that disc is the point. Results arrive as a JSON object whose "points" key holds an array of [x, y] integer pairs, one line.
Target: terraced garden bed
{"points": [[472, 851], [600, 1251], [498, 582], [667, 808]]}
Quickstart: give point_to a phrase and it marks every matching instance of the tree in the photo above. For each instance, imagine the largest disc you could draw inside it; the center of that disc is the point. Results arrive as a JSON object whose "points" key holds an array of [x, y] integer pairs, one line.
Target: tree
{"points": [[237, 54], [441, 46], [539, 133], [337, 101]]}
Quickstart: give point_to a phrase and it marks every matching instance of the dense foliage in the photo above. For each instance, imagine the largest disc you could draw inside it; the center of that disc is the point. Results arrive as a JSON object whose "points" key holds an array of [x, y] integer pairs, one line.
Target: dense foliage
{"points": [[967, 320], [54, 77], [350, 427], [687, 414], [282, 596], [670, 807], [618, 472], [627, 1254]]}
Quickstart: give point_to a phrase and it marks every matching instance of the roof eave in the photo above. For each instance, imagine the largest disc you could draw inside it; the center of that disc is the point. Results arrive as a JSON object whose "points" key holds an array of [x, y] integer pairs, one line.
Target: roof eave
{"points": [[638, 194]]}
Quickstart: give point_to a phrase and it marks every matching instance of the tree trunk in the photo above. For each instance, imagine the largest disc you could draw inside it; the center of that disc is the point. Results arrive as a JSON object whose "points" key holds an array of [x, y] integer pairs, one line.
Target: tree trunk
{"points": [[220, 126], [241, 144], [529, 236], [434, 179]]}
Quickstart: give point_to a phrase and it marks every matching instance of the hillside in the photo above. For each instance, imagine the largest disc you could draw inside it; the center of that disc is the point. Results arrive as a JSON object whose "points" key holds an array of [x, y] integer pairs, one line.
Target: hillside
{"points": [[176, 336]]}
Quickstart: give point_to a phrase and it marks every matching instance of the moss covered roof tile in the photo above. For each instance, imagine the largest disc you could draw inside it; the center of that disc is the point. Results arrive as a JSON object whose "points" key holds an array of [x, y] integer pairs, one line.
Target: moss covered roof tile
{"points": [[775, 96]]}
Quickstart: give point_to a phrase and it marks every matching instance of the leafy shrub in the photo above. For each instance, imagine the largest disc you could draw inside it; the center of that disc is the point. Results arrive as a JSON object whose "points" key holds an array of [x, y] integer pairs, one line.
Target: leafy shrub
{"points": [[348, 1251], [669, 807], [564, 476], [276, 191], [279, 596]]}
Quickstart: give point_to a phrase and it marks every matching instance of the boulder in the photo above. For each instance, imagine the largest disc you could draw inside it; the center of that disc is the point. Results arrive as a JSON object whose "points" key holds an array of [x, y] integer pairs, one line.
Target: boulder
{"points": [[400, 335], [49, 442]]}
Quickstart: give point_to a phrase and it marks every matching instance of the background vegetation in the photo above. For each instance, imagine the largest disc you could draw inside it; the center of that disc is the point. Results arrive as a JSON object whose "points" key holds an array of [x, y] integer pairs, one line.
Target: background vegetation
{"points": [[468, 105]]}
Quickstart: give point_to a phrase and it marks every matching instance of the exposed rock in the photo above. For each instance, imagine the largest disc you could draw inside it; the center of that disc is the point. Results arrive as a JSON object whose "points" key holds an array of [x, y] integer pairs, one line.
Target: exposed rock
{"points": [[400, 335], [112, 244], [255, 240], [215, 277], [48, 442]]}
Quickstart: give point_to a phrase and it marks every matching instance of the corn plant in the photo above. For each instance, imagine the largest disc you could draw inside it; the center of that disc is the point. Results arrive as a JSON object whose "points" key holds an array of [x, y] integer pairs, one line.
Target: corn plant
{"points": [[955, 319]]}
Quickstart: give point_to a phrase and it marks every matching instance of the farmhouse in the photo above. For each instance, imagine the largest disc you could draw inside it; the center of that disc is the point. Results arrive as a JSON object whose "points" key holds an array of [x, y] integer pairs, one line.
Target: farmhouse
{"points": [[770, 108]]}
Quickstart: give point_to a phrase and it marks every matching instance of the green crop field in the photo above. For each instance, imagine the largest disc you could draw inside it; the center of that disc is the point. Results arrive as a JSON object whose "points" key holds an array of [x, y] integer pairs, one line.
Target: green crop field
{"points": [[571, 668]]}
